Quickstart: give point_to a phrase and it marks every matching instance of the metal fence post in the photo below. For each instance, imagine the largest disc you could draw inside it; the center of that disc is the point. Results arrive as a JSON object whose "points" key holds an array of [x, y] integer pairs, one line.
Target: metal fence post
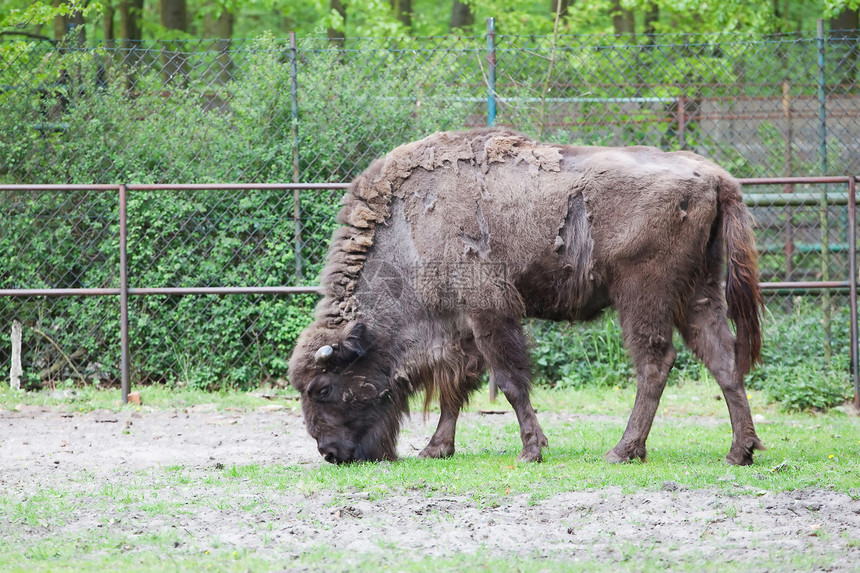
{"points": [[491, 121], [822, 100], [294, 114], [824, 222], [852, 269], [491, 71], [123, 292]]}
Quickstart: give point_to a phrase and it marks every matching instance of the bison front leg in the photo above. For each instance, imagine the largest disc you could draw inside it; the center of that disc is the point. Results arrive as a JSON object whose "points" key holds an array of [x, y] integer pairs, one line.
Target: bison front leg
{"points": [[503, 345], [649, 341], [442, 443]]}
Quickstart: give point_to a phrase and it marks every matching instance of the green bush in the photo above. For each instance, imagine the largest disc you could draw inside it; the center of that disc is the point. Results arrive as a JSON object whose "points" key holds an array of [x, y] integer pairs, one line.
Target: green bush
{"points": [[794, 372], [132, 128], [807, 386], [83, 116], [567, 355]]}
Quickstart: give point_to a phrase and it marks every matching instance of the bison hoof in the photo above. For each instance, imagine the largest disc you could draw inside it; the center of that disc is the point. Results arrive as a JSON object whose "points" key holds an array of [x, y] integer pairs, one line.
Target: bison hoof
{"points": [[530, 453], [742, 455], [620, 456], [437, 451]]}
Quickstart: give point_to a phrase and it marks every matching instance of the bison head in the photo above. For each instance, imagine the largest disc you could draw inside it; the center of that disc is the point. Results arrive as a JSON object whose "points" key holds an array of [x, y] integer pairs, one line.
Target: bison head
{"points": [[347, 398]]}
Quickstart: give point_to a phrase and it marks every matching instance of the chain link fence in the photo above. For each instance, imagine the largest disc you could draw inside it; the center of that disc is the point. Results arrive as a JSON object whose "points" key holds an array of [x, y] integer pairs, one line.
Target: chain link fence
{"points": [[272, 111]]}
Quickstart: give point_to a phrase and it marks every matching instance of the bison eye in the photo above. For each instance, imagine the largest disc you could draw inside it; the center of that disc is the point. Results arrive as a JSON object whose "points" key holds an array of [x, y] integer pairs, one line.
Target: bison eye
{"points": [[322, 393]]}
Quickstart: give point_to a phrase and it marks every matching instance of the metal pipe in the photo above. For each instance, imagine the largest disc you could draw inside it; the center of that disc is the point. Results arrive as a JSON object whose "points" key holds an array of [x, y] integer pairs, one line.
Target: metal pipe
{"points": [[58, 292], [852, 269], [793, 180], [123, 296], [58, 187], [822, 99], [790, 198], [823, 215], [186, 187], [235, 186], [220, 291], [804, 285], [804, 248], [166, 291], [294, 114], [491, 72]]}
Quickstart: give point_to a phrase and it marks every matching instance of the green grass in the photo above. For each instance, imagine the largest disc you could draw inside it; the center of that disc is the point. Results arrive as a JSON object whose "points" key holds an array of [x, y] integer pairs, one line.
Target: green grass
{"points": [[688, 442], [811, 452], [104, 551], [86, 399]]}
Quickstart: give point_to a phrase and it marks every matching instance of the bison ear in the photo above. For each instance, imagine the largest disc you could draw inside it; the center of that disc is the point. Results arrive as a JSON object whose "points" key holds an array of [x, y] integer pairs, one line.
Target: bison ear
{"points": [[356, 344]]}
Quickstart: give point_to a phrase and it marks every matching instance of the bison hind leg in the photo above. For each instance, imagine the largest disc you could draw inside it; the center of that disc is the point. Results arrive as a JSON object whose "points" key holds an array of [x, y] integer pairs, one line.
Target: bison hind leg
{"points": [[646, 323], [706, 332]]}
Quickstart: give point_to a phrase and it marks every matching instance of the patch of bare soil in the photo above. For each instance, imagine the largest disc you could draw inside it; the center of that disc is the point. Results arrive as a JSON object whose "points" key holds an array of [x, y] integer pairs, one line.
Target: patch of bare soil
{"points": [[90, 455]]}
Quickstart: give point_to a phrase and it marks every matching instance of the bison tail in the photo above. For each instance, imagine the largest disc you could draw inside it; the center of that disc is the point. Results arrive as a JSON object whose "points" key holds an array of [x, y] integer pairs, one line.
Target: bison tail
{"points": [[743, 296]]}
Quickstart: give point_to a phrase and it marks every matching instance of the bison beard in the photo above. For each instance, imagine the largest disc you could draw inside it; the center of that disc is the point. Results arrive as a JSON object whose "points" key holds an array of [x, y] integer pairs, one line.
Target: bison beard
{"points": [[447, 243]]}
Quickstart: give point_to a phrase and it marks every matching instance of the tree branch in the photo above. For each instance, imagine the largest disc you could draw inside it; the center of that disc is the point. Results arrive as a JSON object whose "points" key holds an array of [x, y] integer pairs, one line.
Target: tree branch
{"points": [[28, 35]]}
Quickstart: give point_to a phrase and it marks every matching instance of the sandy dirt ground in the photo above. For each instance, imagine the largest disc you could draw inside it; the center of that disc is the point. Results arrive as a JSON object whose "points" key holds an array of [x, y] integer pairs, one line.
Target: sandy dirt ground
{"points": [[93, 454]]}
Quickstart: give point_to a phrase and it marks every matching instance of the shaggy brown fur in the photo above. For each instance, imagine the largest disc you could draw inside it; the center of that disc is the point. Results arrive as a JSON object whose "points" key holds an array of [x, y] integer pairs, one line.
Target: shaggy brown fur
{"points": [[448, 242]]}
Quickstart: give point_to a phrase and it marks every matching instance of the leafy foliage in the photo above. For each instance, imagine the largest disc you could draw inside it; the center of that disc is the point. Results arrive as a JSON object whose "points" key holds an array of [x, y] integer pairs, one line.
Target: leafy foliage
{"points": [[194, 238], [97, 115], [575, 355]]}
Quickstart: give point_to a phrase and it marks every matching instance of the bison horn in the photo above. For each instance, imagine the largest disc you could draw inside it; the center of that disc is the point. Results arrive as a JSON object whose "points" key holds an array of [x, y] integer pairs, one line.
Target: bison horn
{"points": [[323, 354]]}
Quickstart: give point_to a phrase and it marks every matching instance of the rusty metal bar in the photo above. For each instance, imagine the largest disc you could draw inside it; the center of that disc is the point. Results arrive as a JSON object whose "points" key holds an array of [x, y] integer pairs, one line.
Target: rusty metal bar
{"points": [[123, 296], [852, 269], [59, 187], [124, 291], [168, 291], [58, 292], [182, 187], [234, 186], [682, 122]]}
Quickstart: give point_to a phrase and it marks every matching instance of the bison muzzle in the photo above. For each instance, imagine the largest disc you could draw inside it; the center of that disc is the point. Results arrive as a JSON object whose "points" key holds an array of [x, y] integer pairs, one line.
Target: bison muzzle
{"points": [[447, 243]]}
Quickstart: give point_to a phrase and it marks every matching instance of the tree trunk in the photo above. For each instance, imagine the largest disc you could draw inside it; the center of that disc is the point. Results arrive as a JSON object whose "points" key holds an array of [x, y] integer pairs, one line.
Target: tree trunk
{"points": [[652, 16], [461, 15], [336, 36], [623, 21], [174, 16], [108, 25], [130, 15], [130, 34], [843, 39], [402, 11], [562, 5], [220, 29], [66, 24]]}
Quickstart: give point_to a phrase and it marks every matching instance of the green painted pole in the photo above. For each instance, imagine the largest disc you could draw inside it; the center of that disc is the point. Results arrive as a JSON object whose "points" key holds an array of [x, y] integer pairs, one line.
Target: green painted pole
{"points": [[824, 222], [491, 72]]}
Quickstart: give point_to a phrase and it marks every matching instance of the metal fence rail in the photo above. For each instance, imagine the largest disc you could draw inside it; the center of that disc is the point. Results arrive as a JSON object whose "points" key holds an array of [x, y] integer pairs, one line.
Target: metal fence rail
{"points": [[846, 280]]}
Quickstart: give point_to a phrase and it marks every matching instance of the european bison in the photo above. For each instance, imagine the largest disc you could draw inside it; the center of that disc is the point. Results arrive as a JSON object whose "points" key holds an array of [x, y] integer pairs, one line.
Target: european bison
{"points": [[448, 242]]}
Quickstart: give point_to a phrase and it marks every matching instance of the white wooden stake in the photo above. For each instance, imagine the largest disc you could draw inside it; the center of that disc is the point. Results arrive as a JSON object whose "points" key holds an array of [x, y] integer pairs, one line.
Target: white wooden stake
{"points": [[16, 371]]}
